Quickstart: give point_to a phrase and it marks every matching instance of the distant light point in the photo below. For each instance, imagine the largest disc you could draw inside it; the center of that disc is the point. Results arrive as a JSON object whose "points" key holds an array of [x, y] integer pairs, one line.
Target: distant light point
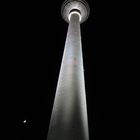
{"points": [[25, 121]]}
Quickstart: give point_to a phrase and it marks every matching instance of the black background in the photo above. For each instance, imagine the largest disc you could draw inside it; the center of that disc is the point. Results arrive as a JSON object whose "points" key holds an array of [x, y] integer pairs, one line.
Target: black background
{"points": [[33, 37]]}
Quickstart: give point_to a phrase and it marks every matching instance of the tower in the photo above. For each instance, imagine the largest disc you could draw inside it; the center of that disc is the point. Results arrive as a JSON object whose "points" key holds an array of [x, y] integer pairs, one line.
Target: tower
{"points": [[69, 115]]}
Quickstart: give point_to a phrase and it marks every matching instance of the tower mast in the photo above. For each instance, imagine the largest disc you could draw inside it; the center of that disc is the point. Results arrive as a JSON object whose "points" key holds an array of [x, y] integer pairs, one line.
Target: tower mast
{"points": [[69, 115]]}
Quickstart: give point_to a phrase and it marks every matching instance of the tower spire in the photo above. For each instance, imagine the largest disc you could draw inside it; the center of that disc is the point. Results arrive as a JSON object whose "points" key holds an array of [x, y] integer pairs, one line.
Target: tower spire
{"points": [[69, 115]]}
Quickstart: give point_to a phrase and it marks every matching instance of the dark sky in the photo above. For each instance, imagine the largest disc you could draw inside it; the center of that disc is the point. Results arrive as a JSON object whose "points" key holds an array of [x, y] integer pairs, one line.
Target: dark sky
{"points": [[33, 37]]}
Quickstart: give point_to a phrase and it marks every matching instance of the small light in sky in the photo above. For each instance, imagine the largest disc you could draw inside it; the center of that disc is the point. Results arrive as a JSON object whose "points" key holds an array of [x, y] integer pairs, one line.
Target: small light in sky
{"points": [[24, 121]]}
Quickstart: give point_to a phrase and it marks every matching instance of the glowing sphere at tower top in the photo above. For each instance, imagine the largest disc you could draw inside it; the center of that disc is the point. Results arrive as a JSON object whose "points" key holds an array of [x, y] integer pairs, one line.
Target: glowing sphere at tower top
{"points": [[80, 7]]}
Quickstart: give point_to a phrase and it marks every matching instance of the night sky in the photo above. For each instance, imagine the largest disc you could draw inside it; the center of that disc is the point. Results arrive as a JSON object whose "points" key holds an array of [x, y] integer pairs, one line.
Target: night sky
{"points": [[33, 38]]}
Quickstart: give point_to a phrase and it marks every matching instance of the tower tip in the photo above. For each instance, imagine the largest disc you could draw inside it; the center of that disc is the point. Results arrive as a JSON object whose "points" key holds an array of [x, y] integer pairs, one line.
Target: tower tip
{"points": [[80, 6]]}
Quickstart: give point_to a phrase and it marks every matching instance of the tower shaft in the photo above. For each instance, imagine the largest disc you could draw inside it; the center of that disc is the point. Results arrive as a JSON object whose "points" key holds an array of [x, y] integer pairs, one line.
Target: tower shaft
{"points": [[69, 114]]}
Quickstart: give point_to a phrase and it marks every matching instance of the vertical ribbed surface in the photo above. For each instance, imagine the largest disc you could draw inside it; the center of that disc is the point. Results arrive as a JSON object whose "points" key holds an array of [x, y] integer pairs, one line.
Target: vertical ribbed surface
{"points": [[69, 115]]}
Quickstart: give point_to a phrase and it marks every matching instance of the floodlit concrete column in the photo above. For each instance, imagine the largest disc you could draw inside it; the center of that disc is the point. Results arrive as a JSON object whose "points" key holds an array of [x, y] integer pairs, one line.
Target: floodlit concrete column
{"points": [[69, 115]]}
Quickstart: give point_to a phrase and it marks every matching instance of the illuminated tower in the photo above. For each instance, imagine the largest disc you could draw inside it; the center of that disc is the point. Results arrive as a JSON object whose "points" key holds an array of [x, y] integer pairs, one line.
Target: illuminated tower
{"points": [[69, 115]]}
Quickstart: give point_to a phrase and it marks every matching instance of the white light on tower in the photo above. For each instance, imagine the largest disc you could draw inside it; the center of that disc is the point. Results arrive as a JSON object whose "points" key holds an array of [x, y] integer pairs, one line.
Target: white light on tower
{"points": [[69, 115]]}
